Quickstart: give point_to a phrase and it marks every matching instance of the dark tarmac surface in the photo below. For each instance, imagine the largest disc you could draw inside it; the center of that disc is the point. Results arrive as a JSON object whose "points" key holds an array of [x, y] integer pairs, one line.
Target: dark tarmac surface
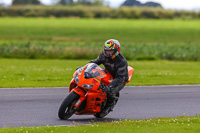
{"points": [[28, 107]]}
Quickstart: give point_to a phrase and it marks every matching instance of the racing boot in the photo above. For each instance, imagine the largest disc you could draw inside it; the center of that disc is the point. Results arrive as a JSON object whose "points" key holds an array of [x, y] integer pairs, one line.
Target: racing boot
{"points": [[110, 104], [112, 100]]}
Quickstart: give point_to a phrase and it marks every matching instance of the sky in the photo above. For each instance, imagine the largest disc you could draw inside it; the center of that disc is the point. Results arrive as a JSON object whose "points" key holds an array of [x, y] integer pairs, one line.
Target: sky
{"points": [[167, 4]]}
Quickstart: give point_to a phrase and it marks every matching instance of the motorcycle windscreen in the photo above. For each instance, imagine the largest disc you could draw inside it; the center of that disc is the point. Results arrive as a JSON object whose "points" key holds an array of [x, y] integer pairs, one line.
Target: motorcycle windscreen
{"points": [[93, 70]]}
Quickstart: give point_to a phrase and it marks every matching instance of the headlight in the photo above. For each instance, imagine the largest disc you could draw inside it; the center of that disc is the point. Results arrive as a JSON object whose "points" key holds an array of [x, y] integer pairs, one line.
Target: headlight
{"points": [[87, 86], [76, 78]]}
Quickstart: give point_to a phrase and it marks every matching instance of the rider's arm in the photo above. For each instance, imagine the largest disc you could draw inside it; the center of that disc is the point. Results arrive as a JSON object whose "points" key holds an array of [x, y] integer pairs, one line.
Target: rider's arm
{"points": [[98, 60]]}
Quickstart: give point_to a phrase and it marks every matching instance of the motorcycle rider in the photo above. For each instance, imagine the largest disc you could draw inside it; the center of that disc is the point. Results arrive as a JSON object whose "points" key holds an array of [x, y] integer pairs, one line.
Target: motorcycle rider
{"points": [[116, 65]]}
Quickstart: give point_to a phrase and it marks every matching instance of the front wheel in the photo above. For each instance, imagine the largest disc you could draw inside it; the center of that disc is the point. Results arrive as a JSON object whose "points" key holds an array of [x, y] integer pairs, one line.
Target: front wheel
{"points": [[67, 109]]}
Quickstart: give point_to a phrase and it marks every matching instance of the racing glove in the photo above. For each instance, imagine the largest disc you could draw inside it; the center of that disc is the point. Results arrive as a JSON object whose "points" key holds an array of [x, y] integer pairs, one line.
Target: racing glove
{"points": [[78, 68]]}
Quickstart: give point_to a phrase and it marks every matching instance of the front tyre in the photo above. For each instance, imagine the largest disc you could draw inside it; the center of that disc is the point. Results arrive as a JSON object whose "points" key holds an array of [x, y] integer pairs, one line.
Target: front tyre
{"points": [[67, 109]]}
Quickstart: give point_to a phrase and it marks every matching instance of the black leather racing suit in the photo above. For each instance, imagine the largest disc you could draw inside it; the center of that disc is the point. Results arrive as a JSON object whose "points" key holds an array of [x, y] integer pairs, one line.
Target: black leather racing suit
{"points": [[117, 67]]}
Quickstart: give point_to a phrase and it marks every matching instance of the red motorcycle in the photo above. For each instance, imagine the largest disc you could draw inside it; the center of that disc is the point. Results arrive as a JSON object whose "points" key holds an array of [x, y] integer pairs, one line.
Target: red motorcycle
{"points": [[85, 94]]}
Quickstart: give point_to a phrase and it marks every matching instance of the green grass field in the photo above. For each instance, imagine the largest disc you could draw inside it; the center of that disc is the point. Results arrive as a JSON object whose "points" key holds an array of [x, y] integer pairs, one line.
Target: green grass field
{"points": [[98, 30], [158, 125], [67, 38], [58, 73]]}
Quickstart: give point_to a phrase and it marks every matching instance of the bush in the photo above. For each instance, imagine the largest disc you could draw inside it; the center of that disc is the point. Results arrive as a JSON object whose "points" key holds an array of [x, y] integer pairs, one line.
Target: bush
{"points": [[95, 12]]}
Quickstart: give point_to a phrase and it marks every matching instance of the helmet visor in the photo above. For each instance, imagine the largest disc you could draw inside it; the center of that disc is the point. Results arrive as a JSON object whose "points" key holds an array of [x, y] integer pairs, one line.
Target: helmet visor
{"points": [[109, 53]]}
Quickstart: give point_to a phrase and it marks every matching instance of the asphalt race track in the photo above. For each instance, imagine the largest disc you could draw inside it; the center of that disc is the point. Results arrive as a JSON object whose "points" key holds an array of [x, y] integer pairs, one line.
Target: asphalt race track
{"points": [[27, 107]]}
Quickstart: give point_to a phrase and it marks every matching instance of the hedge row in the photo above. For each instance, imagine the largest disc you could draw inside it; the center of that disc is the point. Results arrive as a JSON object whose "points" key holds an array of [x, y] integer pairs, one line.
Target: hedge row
{"points": [[96, 12], [181, 52]]}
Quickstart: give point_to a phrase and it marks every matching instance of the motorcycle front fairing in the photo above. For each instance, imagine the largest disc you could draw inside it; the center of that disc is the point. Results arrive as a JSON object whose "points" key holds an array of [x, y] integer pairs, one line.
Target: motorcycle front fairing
{"points": [[86, 81]]}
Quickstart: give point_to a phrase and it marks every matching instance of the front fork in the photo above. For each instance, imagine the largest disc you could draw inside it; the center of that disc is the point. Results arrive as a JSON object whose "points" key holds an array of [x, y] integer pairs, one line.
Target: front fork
{"points": [[82, 93]]}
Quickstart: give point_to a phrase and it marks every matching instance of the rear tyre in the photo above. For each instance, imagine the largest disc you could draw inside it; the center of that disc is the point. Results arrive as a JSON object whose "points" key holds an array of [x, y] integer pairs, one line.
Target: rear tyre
{"points": [[67, 109]]}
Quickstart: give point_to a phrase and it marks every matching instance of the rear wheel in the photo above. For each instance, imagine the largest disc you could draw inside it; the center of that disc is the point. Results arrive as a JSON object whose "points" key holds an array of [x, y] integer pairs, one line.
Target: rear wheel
{"points": [[67, 108]]}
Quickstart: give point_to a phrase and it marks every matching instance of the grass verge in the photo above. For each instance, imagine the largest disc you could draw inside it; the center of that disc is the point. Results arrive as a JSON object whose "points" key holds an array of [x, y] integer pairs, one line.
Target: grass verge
{"points": [[58, 73], [156, 125]]}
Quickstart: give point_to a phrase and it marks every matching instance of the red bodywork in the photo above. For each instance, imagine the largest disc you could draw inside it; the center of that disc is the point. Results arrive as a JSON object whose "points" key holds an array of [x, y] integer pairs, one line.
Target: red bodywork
{"points": [[94, 96]]}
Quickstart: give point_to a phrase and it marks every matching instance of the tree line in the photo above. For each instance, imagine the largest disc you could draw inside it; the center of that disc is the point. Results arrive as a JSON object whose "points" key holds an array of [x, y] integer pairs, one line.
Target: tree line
{"points": [[62, 2], [96, 12], [85, 2]]}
